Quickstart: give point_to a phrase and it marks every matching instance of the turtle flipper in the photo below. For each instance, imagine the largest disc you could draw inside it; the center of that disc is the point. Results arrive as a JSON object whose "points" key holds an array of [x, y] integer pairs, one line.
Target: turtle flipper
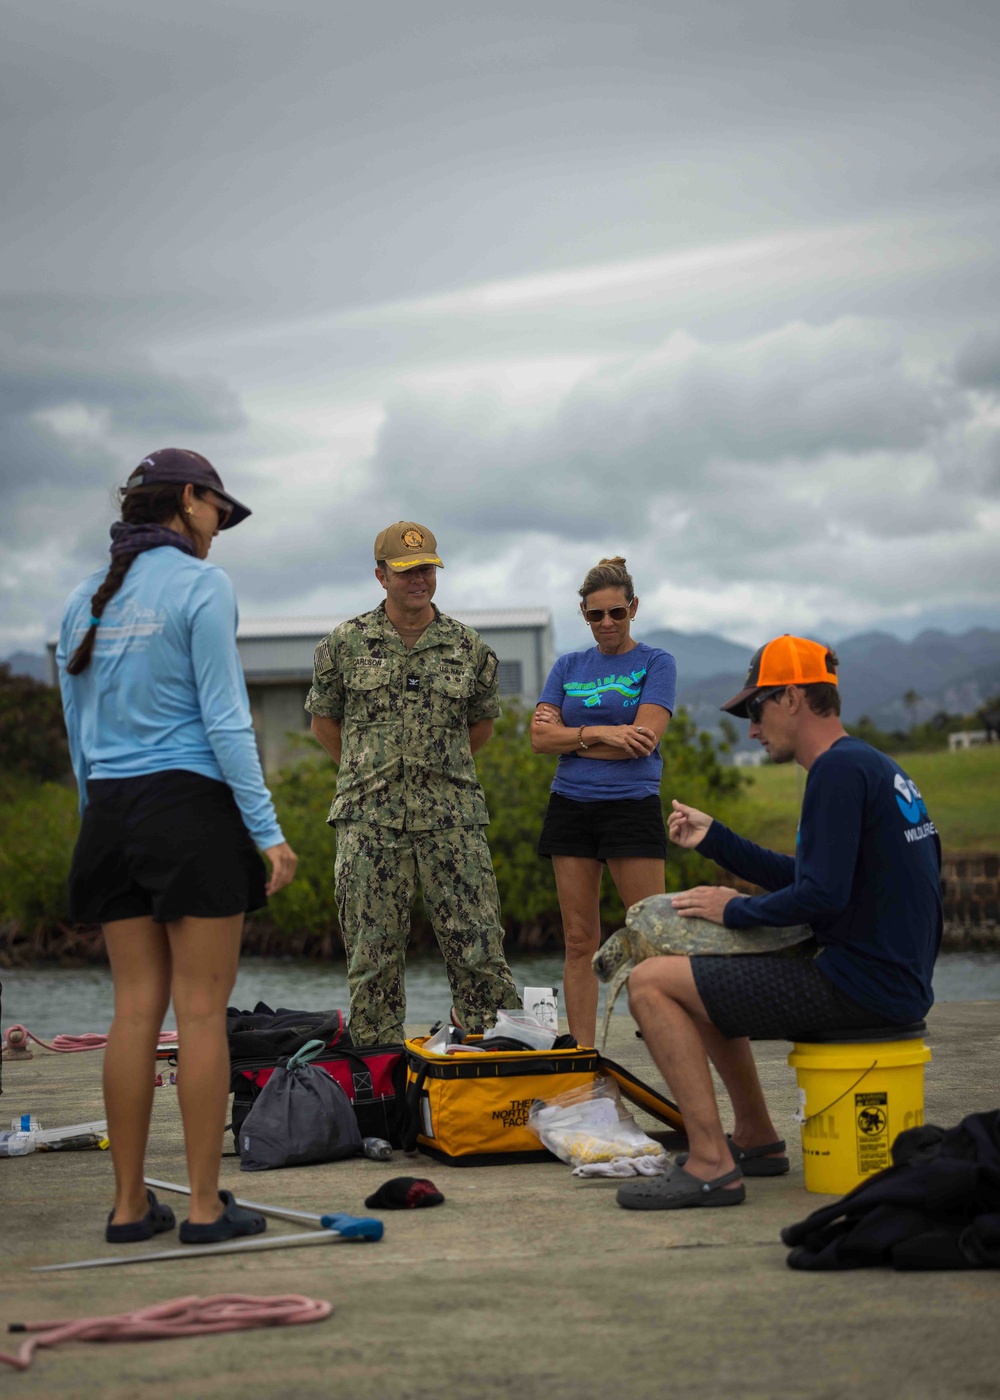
{"points": [[614, 987]]}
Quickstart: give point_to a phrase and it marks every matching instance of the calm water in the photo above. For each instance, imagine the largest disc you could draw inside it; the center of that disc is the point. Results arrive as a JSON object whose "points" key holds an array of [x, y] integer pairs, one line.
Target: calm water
{"points": [[53, 1000]]}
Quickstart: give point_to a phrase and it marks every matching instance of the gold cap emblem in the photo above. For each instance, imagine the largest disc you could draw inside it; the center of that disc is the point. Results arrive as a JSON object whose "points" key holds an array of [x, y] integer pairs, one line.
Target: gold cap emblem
{"points": [[412, 538]]}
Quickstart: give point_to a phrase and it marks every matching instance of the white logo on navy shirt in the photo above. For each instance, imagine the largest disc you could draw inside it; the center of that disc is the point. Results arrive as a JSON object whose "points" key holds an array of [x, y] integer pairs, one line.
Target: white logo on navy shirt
{"points": [[913, 808]]}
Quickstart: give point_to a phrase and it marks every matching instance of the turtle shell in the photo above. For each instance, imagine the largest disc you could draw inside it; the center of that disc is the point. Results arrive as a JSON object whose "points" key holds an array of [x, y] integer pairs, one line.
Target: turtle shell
{"points": [[653, 929]]}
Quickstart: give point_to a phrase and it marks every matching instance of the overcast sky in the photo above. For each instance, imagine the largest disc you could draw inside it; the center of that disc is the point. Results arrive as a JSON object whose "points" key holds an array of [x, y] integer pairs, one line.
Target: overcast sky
{"points": [[713, 286]]}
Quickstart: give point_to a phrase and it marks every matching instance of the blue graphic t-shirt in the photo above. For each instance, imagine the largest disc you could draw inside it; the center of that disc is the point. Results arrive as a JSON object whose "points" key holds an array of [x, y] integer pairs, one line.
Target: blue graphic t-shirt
{"points": [[591, 688]]}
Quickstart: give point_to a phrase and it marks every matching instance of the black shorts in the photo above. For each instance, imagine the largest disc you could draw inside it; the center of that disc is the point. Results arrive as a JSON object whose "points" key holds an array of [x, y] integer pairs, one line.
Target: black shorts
{"points": [[773, 997], [171, 845], [599, 830]]}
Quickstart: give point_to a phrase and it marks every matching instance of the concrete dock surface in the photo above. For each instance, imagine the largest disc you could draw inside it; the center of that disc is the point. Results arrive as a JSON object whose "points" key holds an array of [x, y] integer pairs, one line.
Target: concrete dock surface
{"points": [[527, 1282]]}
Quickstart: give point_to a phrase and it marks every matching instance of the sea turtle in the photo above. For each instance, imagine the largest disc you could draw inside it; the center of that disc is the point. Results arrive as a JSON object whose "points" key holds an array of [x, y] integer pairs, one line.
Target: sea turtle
{"points": [[652, 928]]}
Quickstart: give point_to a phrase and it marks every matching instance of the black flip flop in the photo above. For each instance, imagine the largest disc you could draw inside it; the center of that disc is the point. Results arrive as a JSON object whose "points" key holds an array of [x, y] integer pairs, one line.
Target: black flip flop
{"points": [[755, 1161], [677, 1189], [156, 1220], [233, 1222]]}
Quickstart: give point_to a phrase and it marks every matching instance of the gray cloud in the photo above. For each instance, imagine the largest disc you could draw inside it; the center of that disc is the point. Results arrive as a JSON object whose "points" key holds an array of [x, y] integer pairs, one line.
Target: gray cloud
{"points": [[977, 364], [298, 150], [704, 284], [72, 426], [690, 423]]}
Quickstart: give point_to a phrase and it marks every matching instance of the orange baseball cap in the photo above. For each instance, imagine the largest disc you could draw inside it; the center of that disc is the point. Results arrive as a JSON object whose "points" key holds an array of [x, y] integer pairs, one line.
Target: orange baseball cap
{"points": [[787, 660]]}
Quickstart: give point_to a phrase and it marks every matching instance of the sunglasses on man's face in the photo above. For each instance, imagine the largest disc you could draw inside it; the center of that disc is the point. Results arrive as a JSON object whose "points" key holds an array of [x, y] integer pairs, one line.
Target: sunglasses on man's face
{"points": [[619, 614], [756, 703]]}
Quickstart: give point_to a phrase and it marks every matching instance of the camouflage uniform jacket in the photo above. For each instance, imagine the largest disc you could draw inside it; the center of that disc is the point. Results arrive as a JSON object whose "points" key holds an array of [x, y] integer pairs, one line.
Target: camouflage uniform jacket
{"points": [[406, 762]]}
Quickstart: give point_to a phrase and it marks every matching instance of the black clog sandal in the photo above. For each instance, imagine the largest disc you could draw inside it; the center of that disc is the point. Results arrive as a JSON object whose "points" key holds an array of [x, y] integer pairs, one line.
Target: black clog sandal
{"points": [[233, 1222], [156, 1220]]}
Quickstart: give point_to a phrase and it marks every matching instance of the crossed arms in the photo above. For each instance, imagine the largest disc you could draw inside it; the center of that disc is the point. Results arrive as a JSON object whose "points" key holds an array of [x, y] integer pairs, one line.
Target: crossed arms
{"points": [[549, 734]]}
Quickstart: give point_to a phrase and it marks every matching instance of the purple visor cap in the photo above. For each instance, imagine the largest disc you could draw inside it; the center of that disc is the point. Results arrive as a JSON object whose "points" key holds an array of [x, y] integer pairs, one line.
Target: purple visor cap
{"points": [[178, 466]]}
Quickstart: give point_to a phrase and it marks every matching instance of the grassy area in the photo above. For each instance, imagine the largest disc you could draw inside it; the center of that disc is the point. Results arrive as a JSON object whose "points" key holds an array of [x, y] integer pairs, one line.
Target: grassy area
{"points": [[962, 792]]}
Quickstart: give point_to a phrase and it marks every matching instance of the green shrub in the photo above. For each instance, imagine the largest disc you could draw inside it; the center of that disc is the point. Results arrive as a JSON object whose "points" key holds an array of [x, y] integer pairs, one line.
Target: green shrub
{"points": [[38, 826], [302, 795], [33, 740], [516, 782]]}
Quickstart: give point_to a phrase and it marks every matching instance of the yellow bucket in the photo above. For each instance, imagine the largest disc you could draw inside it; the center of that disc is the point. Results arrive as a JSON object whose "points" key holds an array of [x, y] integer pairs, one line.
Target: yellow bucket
{"points": [[853, 1101]]}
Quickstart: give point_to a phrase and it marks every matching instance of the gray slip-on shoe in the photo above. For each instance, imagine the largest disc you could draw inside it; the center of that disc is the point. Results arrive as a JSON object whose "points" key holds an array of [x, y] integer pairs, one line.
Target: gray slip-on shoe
{"points": [[677, 1189]]}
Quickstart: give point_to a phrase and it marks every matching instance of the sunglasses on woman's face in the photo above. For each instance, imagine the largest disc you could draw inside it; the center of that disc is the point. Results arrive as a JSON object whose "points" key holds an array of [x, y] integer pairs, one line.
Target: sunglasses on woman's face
{"points": [[593, 615]]}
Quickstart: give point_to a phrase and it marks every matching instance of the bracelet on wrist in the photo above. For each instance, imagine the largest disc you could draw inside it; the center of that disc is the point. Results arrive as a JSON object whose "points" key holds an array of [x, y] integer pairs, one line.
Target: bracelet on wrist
{"points": [[579, 739]]}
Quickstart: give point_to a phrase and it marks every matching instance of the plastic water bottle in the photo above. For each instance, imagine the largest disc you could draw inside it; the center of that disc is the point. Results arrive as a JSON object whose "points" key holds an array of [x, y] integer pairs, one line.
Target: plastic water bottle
{"points": [[16, 1144], [377, 1149], [24, 1123]]}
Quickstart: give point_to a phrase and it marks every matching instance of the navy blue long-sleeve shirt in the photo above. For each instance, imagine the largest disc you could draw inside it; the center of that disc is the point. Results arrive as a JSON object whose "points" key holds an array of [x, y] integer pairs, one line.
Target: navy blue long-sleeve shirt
{"points": [[866, 876]]}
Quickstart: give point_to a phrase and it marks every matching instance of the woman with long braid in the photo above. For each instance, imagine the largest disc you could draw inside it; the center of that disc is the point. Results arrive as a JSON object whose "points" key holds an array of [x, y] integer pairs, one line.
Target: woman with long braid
{"points": [[174, 808]]}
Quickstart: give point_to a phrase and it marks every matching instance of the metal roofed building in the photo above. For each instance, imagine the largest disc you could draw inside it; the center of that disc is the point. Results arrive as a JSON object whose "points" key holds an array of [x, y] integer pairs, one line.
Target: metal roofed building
{"points": [[277, 658]]}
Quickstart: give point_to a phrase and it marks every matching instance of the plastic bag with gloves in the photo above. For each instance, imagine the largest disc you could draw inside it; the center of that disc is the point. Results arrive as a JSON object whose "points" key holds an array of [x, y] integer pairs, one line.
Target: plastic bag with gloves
{"points": [[592, 1130]]}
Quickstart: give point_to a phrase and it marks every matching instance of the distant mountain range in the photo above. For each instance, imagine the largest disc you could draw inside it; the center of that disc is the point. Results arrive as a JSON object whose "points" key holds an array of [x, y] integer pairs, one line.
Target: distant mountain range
{"points": [[952, 673], [27, 663]]}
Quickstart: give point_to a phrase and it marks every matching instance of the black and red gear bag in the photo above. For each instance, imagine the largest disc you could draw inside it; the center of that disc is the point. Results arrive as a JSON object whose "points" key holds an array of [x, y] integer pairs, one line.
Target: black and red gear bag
{"points": [[372, 1076]]}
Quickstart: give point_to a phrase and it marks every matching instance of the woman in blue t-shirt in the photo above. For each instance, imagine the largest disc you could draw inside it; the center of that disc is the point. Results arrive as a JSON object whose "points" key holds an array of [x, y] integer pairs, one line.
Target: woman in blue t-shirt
{"points": [[604, 712]]}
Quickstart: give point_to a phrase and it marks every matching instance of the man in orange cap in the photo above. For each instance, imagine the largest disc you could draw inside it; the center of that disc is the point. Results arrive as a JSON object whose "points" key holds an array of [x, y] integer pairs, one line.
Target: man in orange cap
{"points": [[402, 698], [865, 877]]}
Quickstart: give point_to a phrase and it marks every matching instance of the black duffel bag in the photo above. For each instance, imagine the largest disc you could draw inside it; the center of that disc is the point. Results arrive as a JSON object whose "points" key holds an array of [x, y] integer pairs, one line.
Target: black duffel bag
{"points": [[262, 1032]]}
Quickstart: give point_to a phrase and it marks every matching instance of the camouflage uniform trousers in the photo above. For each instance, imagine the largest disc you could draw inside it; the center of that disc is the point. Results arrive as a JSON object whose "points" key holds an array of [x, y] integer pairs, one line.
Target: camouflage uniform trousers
{"points": [[376, 877]]}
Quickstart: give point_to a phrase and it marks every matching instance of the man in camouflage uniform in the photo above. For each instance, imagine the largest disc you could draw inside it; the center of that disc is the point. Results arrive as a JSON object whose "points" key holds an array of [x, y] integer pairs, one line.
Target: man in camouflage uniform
{"points": [[402, 697]]}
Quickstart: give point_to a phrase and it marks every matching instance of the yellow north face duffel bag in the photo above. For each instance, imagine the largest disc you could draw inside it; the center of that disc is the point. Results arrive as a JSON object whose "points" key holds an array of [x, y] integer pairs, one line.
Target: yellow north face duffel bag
{"points": [[472, 1110]]}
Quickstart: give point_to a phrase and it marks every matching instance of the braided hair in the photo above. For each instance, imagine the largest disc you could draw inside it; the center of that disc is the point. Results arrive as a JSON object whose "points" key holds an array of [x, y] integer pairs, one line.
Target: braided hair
{"points": [[140, 505]]}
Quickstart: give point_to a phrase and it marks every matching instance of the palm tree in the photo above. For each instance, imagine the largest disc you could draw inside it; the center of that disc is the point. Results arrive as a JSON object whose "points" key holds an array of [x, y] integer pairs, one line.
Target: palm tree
{"points": [[911, 700]]}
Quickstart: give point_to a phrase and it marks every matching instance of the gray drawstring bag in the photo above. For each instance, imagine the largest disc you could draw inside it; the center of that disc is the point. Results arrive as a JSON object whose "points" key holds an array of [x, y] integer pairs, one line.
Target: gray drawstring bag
{"points": [[301, 1115]]}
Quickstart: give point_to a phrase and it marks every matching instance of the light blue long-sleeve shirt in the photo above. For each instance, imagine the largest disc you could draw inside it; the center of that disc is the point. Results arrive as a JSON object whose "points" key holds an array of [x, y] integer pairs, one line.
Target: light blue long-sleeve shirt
{"points": [[164, 688]]}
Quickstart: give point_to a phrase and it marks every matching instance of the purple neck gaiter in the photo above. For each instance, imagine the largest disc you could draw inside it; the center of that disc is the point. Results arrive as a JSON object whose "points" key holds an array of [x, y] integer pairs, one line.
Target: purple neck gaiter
{"points": [[136, 539]]}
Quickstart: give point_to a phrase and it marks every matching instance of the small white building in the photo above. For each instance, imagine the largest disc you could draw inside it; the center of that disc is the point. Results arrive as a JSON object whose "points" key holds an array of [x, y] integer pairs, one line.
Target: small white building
{"points": [[277, 657], [749, 758], [967, 739]]}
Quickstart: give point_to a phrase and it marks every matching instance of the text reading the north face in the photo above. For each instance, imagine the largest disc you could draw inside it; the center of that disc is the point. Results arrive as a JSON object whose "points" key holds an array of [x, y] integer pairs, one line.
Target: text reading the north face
{"points": [[516, 1116]]}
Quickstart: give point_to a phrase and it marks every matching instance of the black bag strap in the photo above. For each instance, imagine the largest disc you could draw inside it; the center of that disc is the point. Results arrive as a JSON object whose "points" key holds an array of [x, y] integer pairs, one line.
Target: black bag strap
{"points": [[411, 1123]]}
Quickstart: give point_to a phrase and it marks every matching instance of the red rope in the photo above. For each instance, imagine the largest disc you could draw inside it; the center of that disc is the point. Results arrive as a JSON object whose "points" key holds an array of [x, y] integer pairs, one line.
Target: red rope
{"points": [[71, 1044], [179, 1317]]}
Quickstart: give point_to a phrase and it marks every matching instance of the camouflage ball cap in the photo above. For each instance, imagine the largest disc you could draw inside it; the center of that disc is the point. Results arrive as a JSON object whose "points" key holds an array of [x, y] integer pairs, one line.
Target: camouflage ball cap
{"points": [[406, 545]]}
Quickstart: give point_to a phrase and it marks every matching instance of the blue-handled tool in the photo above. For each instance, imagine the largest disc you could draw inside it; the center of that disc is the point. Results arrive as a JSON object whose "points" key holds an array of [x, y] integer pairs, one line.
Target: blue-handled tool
{"points": [[348, 1227], [353, 1227]]}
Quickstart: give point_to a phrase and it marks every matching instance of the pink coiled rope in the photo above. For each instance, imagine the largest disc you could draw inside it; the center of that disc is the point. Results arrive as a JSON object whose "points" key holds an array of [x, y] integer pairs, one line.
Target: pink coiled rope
{"points": [[17, 1036], [179, 1317]]}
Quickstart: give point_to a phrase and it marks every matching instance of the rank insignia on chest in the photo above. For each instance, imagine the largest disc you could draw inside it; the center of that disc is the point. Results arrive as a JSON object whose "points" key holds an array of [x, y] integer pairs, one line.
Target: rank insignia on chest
{"points": [[412, 683]]}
